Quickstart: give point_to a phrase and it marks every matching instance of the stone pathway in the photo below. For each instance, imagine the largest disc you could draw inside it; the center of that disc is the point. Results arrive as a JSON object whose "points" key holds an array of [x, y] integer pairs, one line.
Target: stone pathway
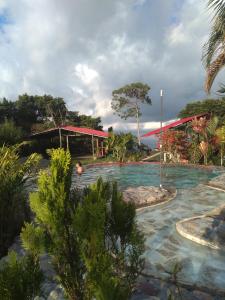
{"points": [[156, 289]]}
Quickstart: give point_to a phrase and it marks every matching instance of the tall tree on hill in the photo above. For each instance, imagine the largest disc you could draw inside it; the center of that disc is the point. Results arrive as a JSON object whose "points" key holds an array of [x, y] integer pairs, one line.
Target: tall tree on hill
{"points": [[126, 102], [214, 49]]}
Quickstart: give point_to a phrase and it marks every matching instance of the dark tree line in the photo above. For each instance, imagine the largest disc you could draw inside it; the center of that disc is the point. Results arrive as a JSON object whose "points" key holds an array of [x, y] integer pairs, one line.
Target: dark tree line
{"points": [[216, 107], [36, 113]]}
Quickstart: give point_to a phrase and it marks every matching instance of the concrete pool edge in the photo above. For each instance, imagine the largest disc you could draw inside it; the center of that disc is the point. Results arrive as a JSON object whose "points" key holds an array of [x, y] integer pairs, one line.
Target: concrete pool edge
{"points": [[201, 241], [183, 232], [215, 187]]}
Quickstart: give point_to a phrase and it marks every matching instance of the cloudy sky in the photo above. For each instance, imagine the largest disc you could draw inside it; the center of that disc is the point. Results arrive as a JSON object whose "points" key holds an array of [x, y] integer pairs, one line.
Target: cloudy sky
{"points": [[83, 49]]}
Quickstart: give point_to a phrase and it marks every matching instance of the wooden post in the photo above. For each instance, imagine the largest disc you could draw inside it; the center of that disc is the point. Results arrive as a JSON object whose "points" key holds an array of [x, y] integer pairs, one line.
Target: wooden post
{"points": [[67, 142], [93, 146], [60, 138], [97, 147], [102, 149]]}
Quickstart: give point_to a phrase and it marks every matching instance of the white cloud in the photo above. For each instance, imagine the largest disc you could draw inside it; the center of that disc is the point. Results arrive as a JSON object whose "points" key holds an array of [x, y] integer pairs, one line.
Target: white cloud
{"points": [[82, 50], [86, 74]]}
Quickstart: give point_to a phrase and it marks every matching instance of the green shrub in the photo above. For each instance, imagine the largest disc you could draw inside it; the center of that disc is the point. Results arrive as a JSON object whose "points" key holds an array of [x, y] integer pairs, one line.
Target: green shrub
{"points": [[91, 235], [20, 278], [13, 208], [124, 147], [9, 133]]}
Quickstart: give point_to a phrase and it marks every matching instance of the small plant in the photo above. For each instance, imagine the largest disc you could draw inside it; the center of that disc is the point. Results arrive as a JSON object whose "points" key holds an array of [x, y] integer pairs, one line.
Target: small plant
{"points": [[124, 147], [20, 278]]}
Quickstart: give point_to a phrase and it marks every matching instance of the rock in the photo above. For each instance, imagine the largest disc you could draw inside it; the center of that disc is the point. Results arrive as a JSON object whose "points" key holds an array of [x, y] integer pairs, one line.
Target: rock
{"points": [[56, 294], [145, 196]]}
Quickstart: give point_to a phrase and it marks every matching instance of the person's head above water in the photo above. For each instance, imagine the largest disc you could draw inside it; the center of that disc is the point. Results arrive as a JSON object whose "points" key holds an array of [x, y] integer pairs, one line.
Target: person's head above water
{"points": [[78, 164]]}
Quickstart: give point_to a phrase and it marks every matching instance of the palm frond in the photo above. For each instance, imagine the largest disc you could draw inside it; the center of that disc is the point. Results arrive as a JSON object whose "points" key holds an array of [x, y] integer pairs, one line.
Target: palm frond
{"points": [[213, 45], [217, 5], [213, 70], [214, 50]]}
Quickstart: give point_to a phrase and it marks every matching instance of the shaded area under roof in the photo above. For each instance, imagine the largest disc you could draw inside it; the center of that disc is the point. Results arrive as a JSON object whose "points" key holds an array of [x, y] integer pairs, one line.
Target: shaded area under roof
{"points": [[173, 124]]}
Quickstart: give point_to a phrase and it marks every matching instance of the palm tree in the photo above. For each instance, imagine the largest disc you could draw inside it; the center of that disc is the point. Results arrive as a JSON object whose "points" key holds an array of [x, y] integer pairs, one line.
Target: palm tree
{"points": [[214, 49]]}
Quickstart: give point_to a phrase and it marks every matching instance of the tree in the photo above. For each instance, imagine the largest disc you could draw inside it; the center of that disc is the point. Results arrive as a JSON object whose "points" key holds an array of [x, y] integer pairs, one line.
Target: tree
{"points": [[126, 102], [9, 133], [73, 118], [214, 107], [214, 49], [7, 110], [91, 234], [56, 110]]}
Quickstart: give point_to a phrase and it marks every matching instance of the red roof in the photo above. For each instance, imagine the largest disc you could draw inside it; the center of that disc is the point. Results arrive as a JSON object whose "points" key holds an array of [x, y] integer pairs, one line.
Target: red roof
{"points": [[173, 124], [87, 131], [82, 130]]}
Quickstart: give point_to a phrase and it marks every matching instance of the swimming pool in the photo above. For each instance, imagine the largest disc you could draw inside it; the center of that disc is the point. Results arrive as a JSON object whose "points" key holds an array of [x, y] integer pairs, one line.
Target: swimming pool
{"points": [[164, 246]]}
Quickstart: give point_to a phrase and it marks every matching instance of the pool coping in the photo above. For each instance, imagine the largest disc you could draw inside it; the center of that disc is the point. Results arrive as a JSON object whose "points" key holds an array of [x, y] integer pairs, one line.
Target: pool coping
{"points": [[192, 237], [194, 166], [215, 187]]}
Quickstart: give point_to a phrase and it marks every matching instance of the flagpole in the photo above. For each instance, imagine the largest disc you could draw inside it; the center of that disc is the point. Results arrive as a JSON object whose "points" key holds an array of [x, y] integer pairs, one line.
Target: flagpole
{"points": [[161, 121]]}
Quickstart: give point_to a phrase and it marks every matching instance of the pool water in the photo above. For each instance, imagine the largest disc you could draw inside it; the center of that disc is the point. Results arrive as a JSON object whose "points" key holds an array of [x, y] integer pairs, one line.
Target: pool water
{"points": [[164, 246], [146, 175]]}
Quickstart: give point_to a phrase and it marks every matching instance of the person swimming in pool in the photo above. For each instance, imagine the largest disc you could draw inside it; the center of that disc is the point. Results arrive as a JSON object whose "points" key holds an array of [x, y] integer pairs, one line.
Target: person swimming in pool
{"points": [[79, 168]]}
